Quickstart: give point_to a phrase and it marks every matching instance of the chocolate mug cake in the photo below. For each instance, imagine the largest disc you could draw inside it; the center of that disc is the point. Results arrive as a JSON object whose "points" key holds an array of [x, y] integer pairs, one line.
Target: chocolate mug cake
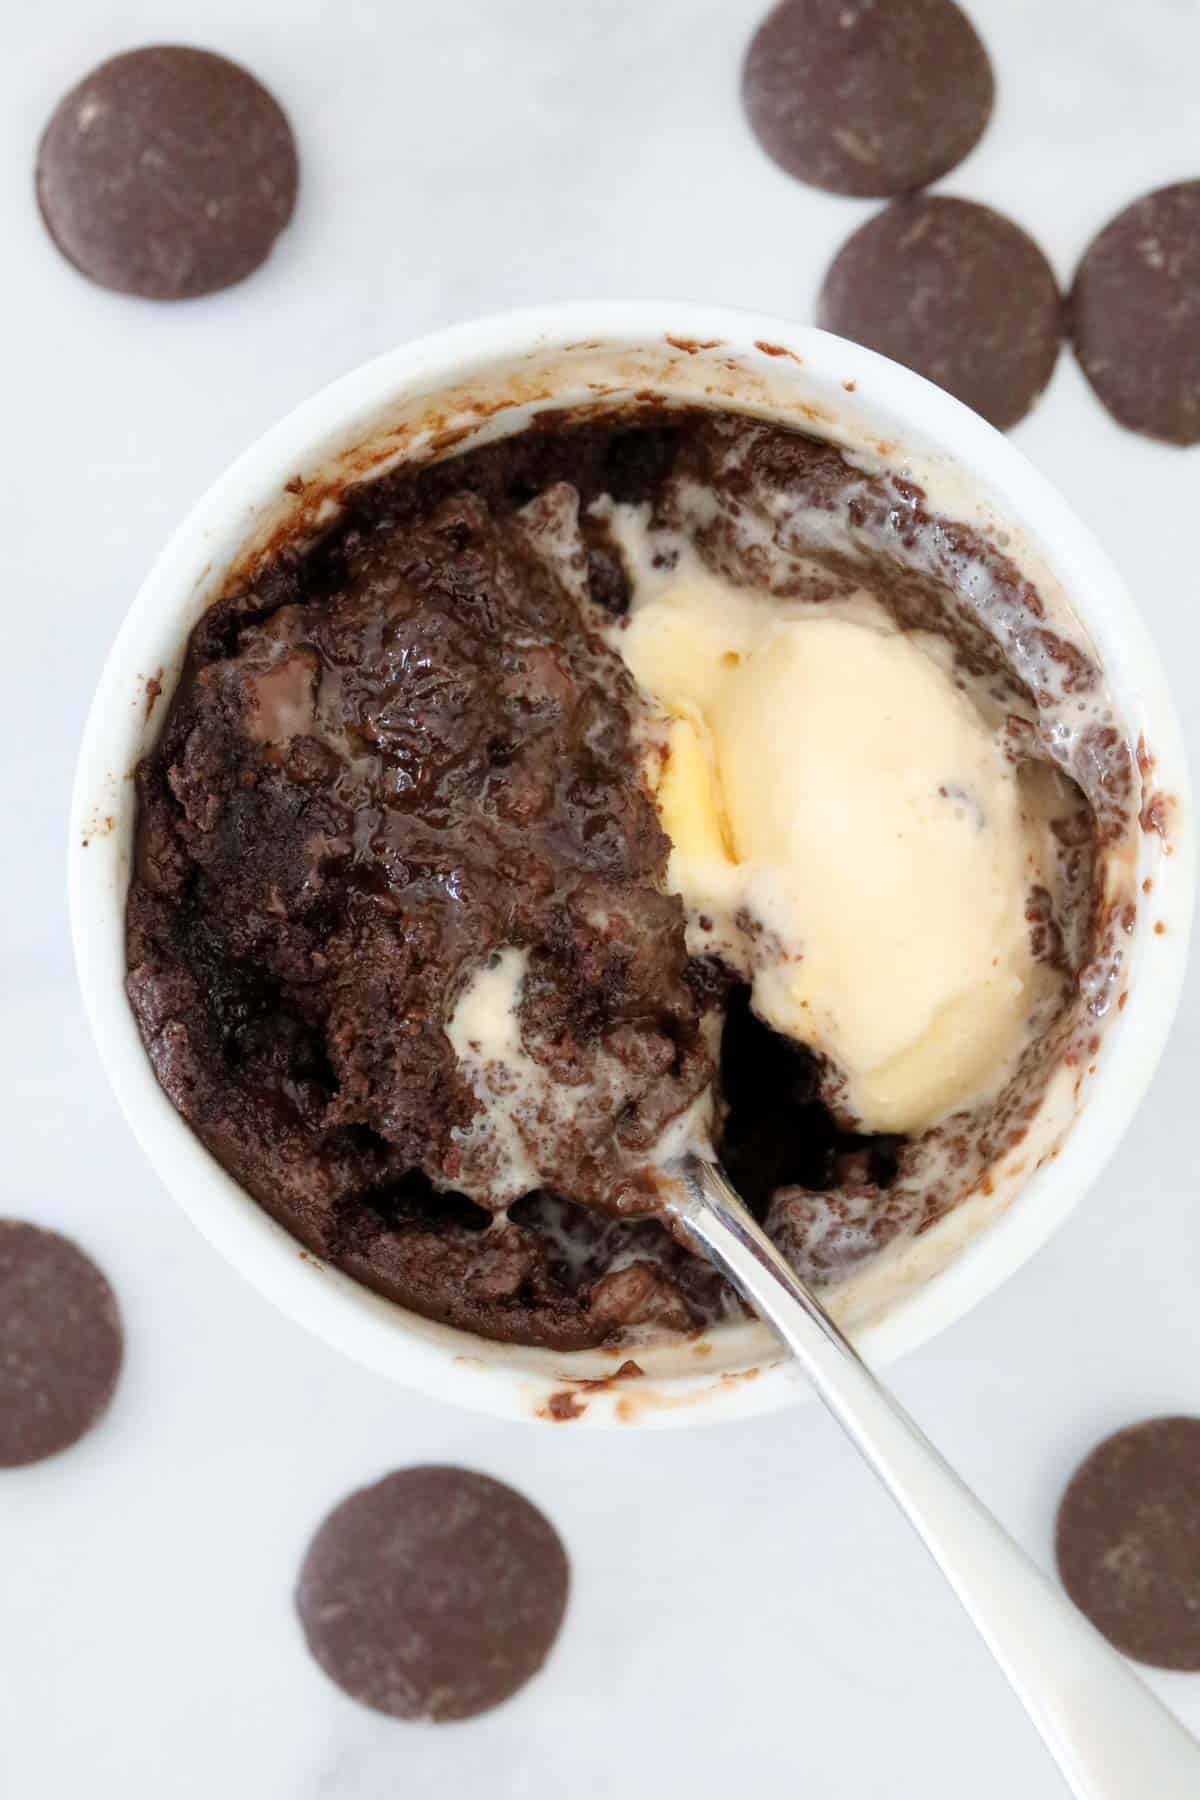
{"points": [[649, 775]]}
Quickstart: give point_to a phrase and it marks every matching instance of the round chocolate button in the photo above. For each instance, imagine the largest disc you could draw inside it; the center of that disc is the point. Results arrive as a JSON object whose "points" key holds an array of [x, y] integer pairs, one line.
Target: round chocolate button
{"points": [[1135, 315], [167, 172], [958, 293], [1128, 1541], [435, 1594], [60, 1343], [868, 97]]}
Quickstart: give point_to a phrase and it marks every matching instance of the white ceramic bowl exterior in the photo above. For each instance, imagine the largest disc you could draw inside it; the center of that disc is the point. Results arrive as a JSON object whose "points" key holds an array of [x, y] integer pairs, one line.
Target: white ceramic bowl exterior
{"points": [[485, 380]]}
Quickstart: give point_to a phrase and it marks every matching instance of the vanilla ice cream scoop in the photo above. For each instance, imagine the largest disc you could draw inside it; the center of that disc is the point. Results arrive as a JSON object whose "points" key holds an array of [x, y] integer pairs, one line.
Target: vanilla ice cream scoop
{"points": [[846, 829]]}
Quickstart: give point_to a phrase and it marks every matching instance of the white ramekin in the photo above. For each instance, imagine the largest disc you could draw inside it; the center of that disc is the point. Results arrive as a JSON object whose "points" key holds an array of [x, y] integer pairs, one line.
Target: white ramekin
{"points": [[484, 380]]}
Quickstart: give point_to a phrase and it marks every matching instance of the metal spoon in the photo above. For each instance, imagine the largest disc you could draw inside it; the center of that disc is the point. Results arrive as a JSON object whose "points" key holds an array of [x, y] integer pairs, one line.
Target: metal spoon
{"points": [[1108, 1734]]}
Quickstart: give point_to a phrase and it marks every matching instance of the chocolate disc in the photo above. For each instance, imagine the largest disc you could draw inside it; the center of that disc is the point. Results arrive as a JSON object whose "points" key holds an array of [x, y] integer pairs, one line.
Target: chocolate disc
{"points": [[958, 293], [1128, 1541], [435, 1594], [60, 1343], [1135, 315], [167, 172], [868, 97]]}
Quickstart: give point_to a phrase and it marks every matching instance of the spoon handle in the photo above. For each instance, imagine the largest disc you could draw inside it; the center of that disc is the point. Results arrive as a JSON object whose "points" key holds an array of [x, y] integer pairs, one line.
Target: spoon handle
{"points": [[1111, 1738]]}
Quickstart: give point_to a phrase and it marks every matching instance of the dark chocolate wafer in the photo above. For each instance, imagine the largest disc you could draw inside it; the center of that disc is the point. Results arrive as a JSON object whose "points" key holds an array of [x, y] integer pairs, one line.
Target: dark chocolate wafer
{"points": [[1135, 314], [1128, 1541], [60, 1343], [168, 172], [868, 97], [435, 1594], [958, 293]]}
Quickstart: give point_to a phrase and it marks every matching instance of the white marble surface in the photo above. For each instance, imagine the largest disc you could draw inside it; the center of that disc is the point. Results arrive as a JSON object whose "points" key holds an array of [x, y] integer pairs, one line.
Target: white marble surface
{"points": [[747, 1615]]}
